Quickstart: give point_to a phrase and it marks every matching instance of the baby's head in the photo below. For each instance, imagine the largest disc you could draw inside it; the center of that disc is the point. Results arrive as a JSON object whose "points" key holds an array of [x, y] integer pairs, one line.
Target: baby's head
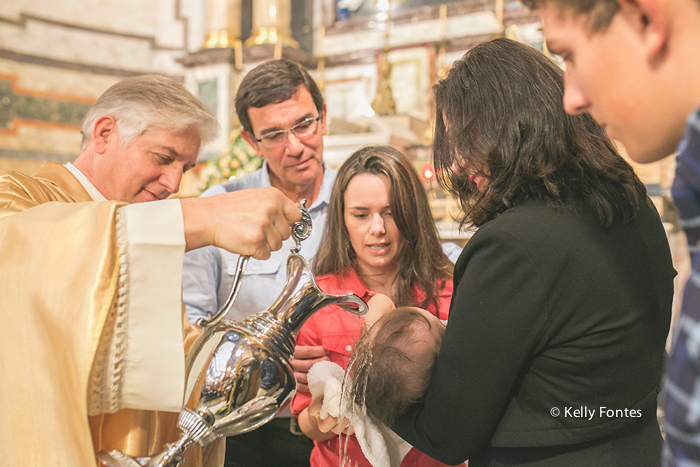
{"points": [[393, 362]]}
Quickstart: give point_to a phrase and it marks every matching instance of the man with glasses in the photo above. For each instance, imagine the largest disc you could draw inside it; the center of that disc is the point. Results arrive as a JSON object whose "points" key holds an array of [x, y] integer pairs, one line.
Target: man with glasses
{"points": [[283, 116]]}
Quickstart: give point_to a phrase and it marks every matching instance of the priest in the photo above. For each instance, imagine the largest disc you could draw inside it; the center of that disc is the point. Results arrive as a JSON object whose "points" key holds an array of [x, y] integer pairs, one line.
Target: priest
{"points": [[90, 295]]}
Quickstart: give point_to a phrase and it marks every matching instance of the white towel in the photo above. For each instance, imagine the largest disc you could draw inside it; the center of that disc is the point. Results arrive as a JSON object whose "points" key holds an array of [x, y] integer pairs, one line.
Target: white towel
{"points": [[381, 446]]}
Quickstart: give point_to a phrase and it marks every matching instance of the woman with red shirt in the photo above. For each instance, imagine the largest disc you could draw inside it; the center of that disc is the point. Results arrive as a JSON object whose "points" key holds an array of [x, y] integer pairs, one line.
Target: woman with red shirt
{"points": [[379, 237]]}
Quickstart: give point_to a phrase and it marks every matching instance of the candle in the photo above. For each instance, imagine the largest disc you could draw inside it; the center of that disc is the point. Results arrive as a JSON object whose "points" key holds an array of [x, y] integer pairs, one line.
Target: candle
{"points": [[443, 21], [321, 37], [499, 14], [278, 49], [238, 54]]}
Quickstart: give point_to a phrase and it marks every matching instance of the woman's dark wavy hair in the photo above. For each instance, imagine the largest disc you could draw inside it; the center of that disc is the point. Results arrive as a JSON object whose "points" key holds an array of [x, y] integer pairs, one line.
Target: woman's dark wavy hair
{"points": [[421, 260], [500, 114]]}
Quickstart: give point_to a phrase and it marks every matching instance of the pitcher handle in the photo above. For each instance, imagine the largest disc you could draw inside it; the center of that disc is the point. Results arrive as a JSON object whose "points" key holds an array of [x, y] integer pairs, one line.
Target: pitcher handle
{"points": [[216, 318], [300, 231]]}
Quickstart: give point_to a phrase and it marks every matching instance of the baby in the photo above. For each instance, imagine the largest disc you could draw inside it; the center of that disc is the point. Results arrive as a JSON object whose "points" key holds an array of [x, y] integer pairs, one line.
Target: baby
{"points": [[393, 362], [390, 368]]}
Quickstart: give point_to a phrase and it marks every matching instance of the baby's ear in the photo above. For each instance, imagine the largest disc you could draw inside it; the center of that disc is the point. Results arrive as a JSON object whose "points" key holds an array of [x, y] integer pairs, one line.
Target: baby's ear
{"points": [[379, 305]]}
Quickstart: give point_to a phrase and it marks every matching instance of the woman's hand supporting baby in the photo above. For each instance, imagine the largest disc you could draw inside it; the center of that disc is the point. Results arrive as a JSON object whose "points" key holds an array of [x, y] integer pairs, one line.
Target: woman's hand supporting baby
{"points": [[321, 429], [305, 356]]}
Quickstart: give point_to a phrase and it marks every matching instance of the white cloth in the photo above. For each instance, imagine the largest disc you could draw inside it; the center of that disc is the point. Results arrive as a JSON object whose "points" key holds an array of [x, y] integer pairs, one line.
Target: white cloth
{"points": [[381, 446]]}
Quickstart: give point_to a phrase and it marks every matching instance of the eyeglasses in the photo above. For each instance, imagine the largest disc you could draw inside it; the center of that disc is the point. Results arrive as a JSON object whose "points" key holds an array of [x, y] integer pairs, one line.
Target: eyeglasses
{"points": [[301, 130]]}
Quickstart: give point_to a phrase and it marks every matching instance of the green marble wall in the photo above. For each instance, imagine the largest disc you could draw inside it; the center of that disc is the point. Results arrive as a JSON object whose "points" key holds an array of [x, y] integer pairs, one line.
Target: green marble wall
{"points": [[17, 106]]}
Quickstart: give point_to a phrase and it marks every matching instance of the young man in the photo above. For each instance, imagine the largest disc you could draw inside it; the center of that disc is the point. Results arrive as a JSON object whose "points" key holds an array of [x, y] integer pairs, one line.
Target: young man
{"points": [[283, 116], [634, 65], [91, 284]]}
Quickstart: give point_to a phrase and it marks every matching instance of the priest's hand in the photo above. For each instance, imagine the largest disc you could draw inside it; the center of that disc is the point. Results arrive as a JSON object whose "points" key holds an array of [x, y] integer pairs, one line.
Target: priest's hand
{"points": [[247, 222]]}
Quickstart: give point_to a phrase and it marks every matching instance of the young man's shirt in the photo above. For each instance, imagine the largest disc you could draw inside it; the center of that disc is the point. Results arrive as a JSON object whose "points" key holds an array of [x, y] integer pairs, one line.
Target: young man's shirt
{"points": [[682, 405]]}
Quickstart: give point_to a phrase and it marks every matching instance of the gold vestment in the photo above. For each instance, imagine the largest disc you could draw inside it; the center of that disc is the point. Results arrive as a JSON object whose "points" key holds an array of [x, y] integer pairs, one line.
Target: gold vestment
{"points": [[59, 274]]}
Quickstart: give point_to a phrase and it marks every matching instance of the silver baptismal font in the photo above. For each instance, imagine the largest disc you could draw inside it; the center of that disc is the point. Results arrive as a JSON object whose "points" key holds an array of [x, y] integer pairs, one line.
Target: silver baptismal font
{"points": [[238, 375]]}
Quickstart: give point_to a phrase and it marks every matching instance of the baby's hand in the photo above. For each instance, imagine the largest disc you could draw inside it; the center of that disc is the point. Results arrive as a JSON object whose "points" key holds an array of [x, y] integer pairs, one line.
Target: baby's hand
{"points": [[379, 305]]}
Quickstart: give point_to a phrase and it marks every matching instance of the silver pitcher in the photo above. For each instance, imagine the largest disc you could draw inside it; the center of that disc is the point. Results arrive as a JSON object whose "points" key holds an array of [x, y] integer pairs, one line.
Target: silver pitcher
{"points": [[238, 375]]}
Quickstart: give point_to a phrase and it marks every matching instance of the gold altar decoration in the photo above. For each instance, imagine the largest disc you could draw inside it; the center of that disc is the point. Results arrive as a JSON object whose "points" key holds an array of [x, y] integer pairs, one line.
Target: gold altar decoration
{"points": [[499, 16], [441, 70], [321, 60], [384, 103], [442, 67], [510, 31], [223, 23]]}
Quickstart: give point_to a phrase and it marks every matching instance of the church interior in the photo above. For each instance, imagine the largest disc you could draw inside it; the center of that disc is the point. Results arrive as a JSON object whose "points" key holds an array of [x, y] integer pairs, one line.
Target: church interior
{"points": [[374, 60]]}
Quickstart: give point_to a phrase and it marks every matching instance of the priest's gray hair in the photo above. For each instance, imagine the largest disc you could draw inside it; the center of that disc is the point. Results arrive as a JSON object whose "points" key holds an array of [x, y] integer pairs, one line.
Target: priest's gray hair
{"points": [[150, 102]]}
